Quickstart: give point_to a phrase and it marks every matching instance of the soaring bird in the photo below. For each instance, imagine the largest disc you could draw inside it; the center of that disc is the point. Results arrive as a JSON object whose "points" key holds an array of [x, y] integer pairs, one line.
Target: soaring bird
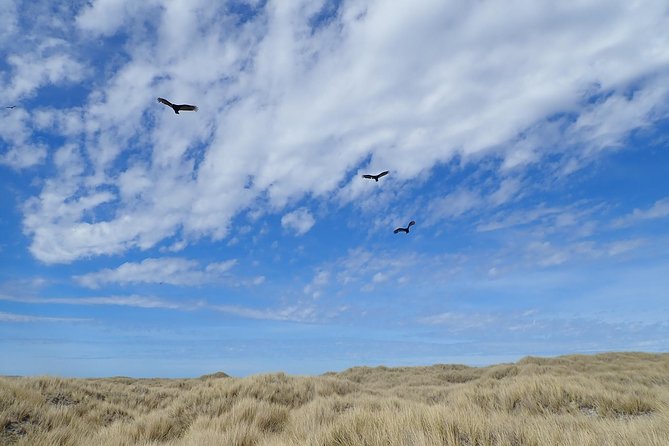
{"points": [[10, 106], [406, 230], [178, 107], [376, 177]]}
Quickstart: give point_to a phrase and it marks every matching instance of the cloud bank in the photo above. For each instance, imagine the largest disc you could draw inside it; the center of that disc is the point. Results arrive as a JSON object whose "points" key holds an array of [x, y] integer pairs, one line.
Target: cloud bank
{"points": [[296, 99]]}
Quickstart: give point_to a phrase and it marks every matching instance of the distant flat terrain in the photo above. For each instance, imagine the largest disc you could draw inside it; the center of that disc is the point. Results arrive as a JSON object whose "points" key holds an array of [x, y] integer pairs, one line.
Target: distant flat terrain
{"points": [[606, 399]]}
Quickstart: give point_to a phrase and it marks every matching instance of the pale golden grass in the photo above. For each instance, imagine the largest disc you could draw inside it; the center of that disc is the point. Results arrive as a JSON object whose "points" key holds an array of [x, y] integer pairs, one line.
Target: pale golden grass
{"points": [[608, 399]]}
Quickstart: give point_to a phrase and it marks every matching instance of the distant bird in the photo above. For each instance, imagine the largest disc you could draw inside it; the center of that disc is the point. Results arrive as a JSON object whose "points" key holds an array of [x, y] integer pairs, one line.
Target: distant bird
{"points": [[178, 107], [406, 230], [376, 177], [11, 106]]}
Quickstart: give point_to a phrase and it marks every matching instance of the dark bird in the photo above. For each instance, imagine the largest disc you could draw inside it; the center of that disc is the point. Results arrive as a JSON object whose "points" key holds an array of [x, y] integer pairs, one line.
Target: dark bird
{"points": [[11, 106], [178, 107], [376, 177], [411, 223]]}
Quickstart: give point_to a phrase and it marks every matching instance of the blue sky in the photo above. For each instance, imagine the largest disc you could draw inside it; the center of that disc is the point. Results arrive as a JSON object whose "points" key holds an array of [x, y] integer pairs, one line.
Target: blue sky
{"points": [[528, 140]]}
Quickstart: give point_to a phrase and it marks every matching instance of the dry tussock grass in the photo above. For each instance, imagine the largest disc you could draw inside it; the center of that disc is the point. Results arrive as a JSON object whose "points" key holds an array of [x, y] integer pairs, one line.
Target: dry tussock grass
{"points": [[608, 399]]}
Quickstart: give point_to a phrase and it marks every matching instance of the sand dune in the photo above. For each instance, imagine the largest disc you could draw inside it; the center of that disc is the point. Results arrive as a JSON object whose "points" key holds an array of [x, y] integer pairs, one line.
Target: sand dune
{"points": [[606, 399]]}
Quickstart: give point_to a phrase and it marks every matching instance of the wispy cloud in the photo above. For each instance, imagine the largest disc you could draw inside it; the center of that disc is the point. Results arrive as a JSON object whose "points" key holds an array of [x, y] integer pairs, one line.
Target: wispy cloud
{"points": [[300, 221], [125, 301], [215, 165], [300, 312], [171, 270], [532, 331], [104, 17], [458, 321], [16, 134], [454, 205], [45, 67], [25, 318], [313, 288], [660, 209], [366, 270]]}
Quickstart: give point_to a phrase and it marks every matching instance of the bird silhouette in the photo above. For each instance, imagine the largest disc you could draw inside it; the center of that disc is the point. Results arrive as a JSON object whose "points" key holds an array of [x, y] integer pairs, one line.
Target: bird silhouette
{"points": [[178, 107], [375, 177], [10, 106], [405, 230]]}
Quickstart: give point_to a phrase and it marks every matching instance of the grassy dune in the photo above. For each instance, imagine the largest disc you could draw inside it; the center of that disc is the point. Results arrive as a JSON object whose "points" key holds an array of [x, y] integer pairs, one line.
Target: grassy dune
{"points": [[608, 399]]}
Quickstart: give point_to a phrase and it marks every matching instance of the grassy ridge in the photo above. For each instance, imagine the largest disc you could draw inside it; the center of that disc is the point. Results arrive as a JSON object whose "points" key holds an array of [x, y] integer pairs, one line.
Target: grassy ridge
{"points": [[607, 399]]}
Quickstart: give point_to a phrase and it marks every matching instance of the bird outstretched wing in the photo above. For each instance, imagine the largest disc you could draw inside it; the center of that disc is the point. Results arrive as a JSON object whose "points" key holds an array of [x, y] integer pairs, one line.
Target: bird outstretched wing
{"points": [[398, 230], [369, 177], [165, 101], [187, 107], [383, 174], [411, 223]]}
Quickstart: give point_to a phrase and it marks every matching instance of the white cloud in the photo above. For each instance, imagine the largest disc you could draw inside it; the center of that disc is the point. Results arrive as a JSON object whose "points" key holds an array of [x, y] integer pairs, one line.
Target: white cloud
{"points": [[8, 20], [297, 312], [67, 122], [454, 205], [604, 124], [508, 188], [42, 60], [220, 267], [136, 301], [362, 269], [624, 246], [35, 70], [405, 85], [545, 253], [13, 317], [106, 16], [300, 221], [124, 301], [24, 156], [379, 277], [173, 271], [468, 199], [15, 131], [315, 287], [660, 209], [549, 218], [458, 321]]}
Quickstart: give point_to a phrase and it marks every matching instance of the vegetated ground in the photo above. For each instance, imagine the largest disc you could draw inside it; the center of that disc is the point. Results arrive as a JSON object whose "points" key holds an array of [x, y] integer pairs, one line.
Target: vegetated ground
{"points": [[606, 399]]}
